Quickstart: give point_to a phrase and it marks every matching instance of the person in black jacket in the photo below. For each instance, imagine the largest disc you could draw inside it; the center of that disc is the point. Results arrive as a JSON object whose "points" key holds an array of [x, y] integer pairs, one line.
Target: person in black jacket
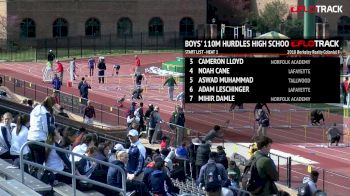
{"points": [[202, 156], [259, 106], [192, 154], [101, 73], [50, 57], [180, 122], [84, 91], [158, 178], [222, 158], [316, 116], [264, 123]]}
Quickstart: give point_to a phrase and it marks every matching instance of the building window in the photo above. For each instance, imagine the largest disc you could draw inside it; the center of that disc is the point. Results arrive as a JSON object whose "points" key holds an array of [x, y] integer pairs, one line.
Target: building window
{"points": [[318, 19], [155, 27], [92, 27], [27, 28], [344, 26], [60, 28], [186, 27], [124, 27]]}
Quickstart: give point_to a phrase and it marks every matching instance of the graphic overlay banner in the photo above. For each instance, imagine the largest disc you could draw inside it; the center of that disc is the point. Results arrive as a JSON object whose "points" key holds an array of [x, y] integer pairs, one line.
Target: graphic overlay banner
{"points": [[296, 71]]}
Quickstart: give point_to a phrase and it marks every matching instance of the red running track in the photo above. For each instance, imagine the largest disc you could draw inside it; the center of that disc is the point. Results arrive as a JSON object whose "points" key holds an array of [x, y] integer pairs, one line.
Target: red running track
{"points": [[286, 139]]}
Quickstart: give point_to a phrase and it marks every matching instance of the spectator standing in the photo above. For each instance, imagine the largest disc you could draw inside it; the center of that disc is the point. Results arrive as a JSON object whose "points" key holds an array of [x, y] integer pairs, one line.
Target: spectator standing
{"points": [[84, 91], [137, 66], [155, 121], [263, 122], [89, 114], [59, 70], [101, 70], [192, 153], [56, 83], [80, 83], [19, 136], [6, 128], [202, 156], [333, 135], [72, 69], [140, 114], [222, 158], [91, 65], [147, 117], [137, 156], [41, 123], [213, 176], [157, 180], [266, 168], [150, 167], [50, 57], [180, 124], [170, 82]]}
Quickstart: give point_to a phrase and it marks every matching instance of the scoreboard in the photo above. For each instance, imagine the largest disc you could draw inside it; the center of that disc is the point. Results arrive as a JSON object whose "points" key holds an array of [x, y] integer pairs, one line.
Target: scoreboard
{"points": [[270, 71]]}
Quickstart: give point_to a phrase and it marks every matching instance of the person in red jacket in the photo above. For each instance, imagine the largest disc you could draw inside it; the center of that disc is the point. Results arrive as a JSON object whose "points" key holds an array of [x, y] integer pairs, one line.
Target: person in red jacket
{"points": [[59, 70], [137, 65]]}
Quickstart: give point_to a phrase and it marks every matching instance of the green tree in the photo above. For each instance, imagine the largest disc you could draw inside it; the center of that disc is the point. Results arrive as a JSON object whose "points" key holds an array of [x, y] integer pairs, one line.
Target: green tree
{"points": [[273, 14], [294, 28]]}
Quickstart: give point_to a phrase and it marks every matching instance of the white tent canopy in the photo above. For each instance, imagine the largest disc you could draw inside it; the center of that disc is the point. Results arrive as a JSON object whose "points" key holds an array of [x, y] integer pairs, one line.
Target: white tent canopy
{"points": [[272, 35]]}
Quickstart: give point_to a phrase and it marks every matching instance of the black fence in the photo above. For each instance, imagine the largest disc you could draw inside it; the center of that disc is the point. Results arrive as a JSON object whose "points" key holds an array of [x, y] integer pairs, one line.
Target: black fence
{"points": [[84, 46]]}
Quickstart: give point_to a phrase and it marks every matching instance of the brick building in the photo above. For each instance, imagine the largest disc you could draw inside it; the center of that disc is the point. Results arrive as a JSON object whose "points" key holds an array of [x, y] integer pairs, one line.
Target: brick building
{"points": [[125, 18], [69, 18], [339, 23]]}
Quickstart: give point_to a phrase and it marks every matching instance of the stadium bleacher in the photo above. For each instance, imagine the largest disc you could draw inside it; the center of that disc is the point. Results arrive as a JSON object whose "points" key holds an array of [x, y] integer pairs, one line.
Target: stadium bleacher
{"points": [[33, 186]]}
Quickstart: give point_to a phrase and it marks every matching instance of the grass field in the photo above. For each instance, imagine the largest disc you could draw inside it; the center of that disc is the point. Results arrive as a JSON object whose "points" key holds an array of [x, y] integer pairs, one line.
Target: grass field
{"points": [[323, 106]]}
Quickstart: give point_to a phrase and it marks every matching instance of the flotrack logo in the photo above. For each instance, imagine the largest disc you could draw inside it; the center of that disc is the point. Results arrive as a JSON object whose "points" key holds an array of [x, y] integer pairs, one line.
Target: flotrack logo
{"points": [[317, 9]]}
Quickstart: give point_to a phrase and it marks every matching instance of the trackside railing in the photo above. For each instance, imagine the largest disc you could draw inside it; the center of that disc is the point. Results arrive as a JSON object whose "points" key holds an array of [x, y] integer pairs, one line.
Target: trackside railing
{"points": [[99, 135], [72, 175]]}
